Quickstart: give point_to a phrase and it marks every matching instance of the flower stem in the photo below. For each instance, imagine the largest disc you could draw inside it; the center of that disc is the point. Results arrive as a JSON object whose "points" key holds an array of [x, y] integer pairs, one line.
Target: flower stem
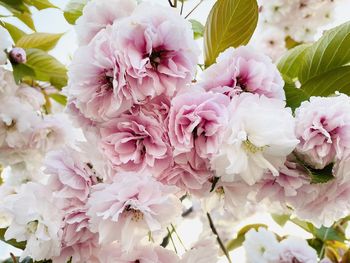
{"points": [[178, 237], [221, 244], [171, 239]]}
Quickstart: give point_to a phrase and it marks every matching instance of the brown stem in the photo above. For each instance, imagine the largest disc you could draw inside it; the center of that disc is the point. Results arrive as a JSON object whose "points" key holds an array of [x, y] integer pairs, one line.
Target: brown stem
{"points": [[221, 244]]}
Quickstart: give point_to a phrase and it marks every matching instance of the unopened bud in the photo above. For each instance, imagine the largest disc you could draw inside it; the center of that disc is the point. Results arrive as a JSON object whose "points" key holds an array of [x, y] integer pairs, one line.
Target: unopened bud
{"points": [[18, 55]]}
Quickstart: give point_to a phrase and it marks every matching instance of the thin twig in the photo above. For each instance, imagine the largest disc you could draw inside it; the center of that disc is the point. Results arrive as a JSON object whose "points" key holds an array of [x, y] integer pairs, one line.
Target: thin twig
{"points": [[182, 7], [194, 8], [13, 258], [170, 3], [221, 244], [171, 239]]}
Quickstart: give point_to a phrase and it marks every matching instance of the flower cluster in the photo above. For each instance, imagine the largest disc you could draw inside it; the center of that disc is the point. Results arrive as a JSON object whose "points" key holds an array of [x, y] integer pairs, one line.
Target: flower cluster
{"points": [[263, 246], [284, 21], [155, 133], [26, 132]]}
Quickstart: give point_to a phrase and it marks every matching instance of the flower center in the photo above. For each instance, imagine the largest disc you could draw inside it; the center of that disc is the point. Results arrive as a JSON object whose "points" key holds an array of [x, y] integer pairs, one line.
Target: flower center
{"points": [[32, 226], [251, 147], [156, 57], [220, 190], [11, 125], [106, 81], [137, 215]]}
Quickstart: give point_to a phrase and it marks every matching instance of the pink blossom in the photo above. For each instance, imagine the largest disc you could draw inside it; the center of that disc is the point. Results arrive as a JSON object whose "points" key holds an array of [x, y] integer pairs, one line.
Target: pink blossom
{"points": [[98, 14], [197, 120], [143, 254], [190, 173], [206, 250], [244, 70], [78, 242], [96, 80], [156, 47], [323, 128], [322, 204], [277, 188], [134, 142], [52, 132], [131, 206], [294, 249], [70, 176]]}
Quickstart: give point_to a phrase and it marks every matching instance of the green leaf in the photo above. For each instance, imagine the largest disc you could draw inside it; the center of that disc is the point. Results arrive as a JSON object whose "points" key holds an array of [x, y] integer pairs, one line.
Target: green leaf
{"points": [[317, 244], [26, 18], [329, 233], [326, 84], [321, 176], [317, 176], [198, 28], [43, 41], [61, 99], [73, 10], [14, 31], [231, 23], [329, 52], [294, 96], [291, 43], [40, 4], [289, 64], [238, 241], [21, 71], [280, 219], [15, 5], [46, 67], [12, 242], [19, 10]]}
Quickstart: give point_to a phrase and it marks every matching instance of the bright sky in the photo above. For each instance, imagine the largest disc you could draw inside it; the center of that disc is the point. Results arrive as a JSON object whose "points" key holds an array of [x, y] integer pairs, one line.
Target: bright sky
{"points": [[52, 21]]}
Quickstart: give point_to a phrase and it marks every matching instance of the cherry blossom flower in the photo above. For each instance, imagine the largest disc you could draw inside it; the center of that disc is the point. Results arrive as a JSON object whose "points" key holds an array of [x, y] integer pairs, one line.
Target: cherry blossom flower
{"points": [[98, 14], [323, 128], [259, 136], [129, 207], [244, 70], [156, 48]]}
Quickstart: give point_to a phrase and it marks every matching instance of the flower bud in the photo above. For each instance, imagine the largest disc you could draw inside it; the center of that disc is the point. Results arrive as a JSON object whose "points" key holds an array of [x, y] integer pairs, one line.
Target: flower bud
{"points": [[18, 55]]}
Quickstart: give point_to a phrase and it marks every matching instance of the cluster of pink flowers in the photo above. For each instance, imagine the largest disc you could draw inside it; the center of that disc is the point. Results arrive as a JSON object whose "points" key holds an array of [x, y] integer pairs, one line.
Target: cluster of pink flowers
{"points": [[26, 132], [154, 135]]}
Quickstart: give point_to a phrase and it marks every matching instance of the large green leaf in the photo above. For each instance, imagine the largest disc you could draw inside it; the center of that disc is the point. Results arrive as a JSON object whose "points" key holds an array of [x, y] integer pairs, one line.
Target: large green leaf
{"points": [[26, 18], [14, 31], [331, 51], [289, 64], [21, 71], [19, 10], [40, 4], [74, 10], [231, 23], [44, 41], [337, 79], [294, 96], [46, 67], [321, 69], [15, 5]]}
